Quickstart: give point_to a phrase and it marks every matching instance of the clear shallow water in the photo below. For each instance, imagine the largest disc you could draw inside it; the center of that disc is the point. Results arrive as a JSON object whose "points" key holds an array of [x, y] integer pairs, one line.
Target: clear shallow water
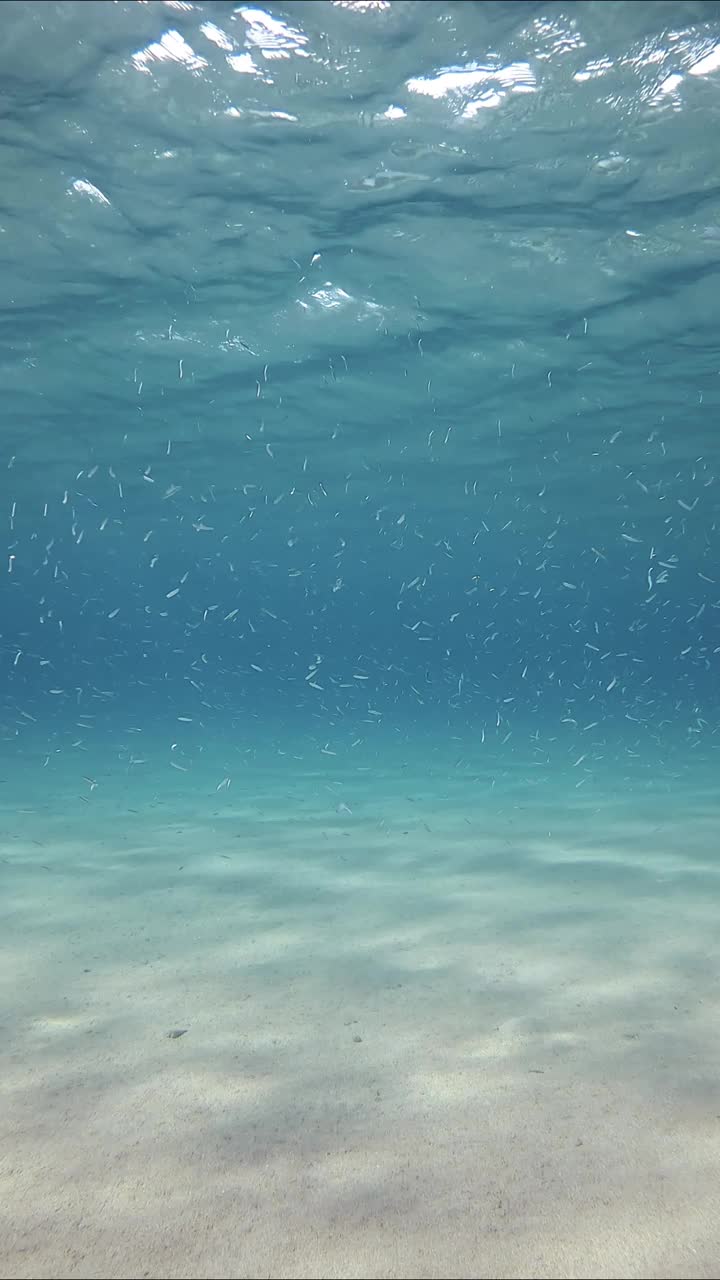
{"points": [[359, 635]]}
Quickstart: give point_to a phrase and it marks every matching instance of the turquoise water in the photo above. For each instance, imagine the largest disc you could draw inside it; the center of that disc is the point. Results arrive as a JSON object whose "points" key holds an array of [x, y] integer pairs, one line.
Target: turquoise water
{"points": [[359, 639]]}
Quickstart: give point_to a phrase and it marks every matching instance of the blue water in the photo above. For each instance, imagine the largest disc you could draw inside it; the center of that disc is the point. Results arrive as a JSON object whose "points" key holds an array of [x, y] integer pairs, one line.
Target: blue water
{"points": [[360, 478]]}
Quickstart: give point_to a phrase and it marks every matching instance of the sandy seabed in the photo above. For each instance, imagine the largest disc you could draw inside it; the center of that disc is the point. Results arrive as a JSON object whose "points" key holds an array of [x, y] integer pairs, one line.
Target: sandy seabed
{"points": [[428, 1029]]}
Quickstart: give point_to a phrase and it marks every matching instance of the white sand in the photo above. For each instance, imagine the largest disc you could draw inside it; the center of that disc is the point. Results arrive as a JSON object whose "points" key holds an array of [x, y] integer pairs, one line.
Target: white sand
{"points": [[534, 1090]]}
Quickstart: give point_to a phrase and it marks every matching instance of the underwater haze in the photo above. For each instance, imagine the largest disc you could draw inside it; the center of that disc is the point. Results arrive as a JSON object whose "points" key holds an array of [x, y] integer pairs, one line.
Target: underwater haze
{"points": [[359, 639]]}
